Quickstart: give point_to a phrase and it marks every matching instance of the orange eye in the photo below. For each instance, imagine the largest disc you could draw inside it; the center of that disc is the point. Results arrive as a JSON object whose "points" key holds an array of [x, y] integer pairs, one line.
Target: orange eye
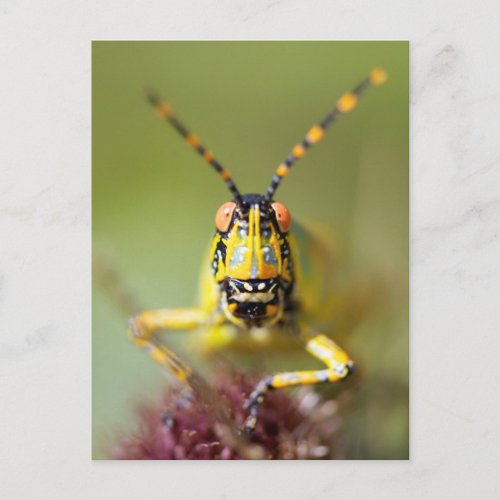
{"points": [[282, 216], [224, 215]]}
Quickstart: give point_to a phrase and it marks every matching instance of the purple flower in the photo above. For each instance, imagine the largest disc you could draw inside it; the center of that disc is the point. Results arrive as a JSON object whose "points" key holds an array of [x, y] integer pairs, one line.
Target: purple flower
{"points": [[291, 425]]}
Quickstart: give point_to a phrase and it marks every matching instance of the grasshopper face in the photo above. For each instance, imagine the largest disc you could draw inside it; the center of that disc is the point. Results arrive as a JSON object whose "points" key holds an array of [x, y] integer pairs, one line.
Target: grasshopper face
{"points": [[251, 260]]}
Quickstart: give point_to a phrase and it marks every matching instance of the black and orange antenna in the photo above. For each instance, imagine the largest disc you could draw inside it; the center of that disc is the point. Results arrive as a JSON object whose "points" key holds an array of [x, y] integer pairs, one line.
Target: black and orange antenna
{"points": [[345, 104], [164, 110]]}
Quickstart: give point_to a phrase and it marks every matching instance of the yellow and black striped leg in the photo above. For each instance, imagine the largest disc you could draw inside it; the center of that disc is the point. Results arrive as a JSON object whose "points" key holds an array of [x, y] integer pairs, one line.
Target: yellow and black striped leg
{"points": [[337, 361], [143, 328]]}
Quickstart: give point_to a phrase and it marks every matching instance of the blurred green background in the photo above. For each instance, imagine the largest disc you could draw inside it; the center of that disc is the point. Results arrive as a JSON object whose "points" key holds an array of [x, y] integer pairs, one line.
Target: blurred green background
{"points": [[154, 199]]}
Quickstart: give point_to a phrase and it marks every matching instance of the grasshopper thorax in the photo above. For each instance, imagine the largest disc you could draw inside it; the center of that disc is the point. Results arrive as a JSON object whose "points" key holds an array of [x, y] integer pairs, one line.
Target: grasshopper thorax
{"points": [[251, 260]]}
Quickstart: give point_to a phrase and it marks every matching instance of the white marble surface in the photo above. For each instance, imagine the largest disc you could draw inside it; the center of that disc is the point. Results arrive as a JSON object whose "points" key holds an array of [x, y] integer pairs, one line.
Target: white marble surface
{"points": [[45, 248]]}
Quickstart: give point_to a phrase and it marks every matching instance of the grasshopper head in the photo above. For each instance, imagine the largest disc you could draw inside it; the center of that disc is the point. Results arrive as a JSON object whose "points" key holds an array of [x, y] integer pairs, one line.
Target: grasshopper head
{"points": [[251, 259]]}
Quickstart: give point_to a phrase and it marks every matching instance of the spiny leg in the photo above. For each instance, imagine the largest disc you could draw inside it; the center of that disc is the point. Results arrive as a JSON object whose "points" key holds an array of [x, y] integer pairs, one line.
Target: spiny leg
{"points": [[345, 104], [339, 366], [143, 328], [165, 111]]}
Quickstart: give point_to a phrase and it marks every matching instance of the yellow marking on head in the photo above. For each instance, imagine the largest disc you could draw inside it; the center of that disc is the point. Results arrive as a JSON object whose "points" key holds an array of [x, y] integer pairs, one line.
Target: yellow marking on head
{"points": [[298, 151], [192, 140], [266, 270], [213, 249], [347, 102], [282, 170], [315, 134], [239, 269], [221, 271], [221, 268], [163, 110], [232, 307], [245, 255], [255, 258], [208, 156], [377, 76]]}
